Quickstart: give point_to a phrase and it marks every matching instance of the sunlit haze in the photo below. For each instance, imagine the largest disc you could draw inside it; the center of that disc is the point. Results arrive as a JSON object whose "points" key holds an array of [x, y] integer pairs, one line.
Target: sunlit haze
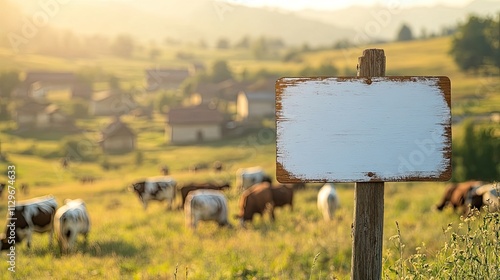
{"points": [[333, 5]]}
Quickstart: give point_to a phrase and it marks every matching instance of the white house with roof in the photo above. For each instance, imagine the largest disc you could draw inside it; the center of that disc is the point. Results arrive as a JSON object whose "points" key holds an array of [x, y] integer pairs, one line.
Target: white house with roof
{"points": [[256, 102], [193, 124]]}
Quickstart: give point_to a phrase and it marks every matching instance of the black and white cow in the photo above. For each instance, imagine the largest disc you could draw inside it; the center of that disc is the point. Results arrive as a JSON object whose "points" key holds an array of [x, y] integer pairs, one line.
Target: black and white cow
{"points": [[158, 188], [34, 215], [206, 205], [70, 220], [487, 194]]}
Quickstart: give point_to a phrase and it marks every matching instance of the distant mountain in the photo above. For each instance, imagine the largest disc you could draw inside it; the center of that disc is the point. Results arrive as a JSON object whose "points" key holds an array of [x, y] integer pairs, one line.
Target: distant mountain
{"points": [[385, 21], [189, 20], [210, 20]]}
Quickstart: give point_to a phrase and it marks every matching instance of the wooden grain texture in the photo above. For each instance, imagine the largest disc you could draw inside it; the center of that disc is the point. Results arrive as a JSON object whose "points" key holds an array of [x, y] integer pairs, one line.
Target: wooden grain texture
{"points": [[367, 231], [368, 223], [363, 129]]}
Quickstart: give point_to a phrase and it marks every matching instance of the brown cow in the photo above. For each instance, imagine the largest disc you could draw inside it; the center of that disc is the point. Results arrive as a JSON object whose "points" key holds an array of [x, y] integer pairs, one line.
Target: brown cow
{"points": [[197, 186], [456, 193], [283, 195], [256, 200]]}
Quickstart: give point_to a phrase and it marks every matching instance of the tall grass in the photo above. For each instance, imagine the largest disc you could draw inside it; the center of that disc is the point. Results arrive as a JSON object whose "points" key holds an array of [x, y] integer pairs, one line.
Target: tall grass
{"points": [[471, 251]]}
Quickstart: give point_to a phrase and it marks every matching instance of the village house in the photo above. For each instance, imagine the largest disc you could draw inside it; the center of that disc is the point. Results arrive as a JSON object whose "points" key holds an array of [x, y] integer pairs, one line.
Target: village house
{"points": [[111, 103], [211, 93], [36, 115], [193, 124], [170, 78], [50, 78], [117, 137], [81, 90], [38, 84], [257, 101]]}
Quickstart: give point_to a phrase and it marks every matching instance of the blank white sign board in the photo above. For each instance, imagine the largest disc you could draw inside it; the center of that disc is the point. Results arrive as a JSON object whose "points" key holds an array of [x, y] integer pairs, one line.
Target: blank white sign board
{"points": [[360, 129]]}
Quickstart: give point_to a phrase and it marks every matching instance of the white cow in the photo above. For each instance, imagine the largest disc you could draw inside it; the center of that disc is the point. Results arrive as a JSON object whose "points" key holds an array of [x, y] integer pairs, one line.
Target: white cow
{"points": [[489, 194], [156, 188], [247, 177], [70, 220], [328, 201], [206, 205]]}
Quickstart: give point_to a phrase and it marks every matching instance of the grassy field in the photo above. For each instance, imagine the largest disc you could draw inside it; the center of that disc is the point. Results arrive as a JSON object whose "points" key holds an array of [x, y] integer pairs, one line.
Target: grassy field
{"points": [[127, 242]]}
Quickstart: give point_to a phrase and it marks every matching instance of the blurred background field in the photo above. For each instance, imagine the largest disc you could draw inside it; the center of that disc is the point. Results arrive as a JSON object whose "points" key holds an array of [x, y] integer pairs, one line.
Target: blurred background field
{"points": [[240, 49]]}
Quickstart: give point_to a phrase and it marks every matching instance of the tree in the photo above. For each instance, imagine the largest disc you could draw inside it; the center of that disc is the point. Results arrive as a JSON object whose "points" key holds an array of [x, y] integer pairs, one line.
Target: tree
{"points": [[222, 43], [244, 43], [123, 46], [405, 33], [260, 48], [480, 152], [8, 81], [493, 36], [154, 53], [471, 48], [220, 72], [114, 82]]}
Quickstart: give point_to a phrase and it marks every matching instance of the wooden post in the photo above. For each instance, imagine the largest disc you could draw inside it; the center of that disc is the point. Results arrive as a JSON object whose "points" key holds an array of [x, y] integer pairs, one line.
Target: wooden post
{"points": [[376, 140], [368, 225]]}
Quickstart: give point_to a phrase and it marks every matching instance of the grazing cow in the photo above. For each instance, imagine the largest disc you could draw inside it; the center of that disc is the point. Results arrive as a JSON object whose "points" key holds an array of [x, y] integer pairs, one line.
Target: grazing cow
{"points": [[256, 200], [217, 165], [70, 220], [2, 187], [456, 193], [164, 170], [282, 195], [33, 215], [206, 205], [24, 188], [194, 186], [328, 201], [156, 188], [247, 177], [483, 195]]}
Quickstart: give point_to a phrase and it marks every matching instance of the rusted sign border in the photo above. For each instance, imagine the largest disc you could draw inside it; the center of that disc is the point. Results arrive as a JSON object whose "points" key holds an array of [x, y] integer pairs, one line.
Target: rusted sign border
{"points": [[444, 86]]}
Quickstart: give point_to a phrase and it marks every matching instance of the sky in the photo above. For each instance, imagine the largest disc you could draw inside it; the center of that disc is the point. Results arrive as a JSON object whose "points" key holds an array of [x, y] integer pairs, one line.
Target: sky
{"points": [[332, 5]]}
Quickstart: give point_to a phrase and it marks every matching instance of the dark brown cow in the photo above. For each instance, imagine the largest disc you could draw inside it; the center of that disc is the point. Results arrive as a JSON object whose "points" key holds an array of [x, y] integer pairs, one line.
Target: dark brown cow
{"points": [[34, 215], [283, 195], [456, 193], [256, 200], [197, 186]]}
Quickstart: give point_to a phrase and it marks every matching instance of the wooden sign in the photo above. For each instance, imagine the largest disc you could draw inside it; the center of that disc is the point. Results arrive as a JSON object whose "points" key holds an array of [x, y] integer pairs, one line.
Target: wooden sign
{"points": [[361, 129]]}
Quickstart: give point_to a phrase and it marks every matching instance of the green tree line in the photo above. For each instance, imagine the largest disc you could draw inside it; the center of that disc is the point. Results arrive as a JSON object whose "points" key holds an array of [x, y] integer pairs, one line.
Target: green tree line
{"points": [[477, 156], [476, 44]]}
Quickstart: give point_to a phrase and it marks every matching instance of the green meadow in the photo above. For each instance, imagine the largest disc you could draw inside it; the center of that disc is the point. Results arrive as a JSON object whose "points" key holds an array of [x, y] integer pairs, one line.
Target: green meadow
{"points": [[128, 242]]}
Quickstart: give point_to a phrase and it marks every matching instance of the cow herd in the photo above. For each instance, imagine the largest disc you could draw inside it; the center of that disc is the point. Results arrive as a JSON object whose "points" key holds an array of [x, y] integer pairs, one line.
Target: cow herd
{"points": [[41, 215], [470, 195], [207, 201], [204, 202]]}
